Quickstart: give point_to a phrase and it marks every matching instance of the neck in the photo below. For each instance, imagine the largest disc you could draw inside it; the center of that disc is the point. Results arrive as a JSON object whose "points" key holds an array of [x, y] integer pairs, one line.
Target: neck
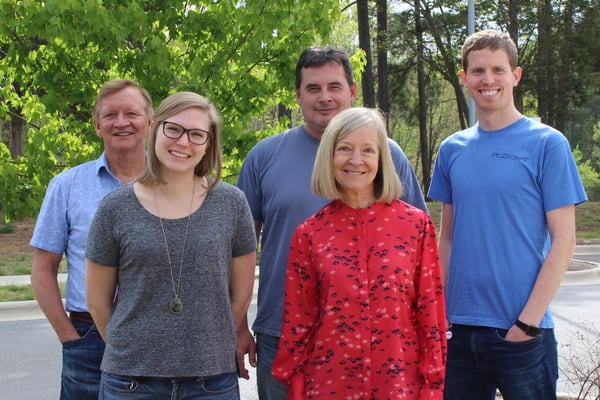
{"points": [[126, 167], [357, 200], [499, 120], [178, 200], [178, 187]]}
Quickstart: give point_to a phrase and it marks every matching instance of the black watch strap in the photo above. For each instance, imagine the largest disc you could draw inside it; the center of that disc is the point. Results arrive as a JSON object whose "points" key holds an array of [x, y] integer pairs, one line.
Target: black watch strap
{"points": [[530, 330]]}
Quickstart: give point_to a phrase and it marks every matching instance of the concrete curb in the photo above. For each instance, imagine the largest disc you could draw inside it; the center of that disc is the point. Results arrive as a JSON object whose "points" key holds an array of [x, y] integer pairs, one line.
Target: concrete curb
{"points": [[589, 276]]}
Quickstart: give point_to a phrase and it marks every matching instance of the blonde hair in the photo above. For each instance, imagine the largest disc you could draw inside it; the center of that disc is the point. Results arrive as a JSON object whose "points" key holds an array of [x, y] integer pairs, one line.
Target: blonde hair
{"points": [[115, 85], [211, 163], [387, 185]]}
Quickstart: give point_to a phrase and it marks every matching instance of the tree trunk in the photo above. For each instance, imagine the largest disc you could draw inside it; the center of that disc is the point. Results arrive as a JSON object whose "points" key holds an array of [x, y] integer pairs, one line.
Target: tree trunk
{"points": [[364, 41], [544, 59], [423, 142], [17, 127], [283, 111], [513, 31], [383, 98]]}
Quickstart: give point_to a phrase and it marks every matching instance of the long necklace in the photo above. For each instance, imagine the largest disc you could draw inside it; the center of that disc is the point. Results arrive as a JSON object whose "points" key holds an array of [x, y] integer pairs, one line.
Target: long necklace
{"points": [[176, 305]]}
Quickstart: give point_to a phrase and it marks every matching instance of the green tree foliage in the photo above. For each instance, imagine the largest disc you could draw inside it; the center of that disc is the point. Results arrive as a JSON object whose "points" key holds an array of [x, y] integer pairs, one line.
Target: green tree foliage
{"points": [[54, 56], [558, 51]]}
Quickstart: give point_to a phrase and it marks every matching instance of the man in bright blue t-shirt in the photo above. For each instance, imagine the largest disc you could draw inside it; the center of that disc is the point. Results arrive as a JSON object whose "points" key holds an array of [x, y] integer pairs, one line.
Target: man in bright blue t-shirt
{"points": [[276, 180], [509, 186]]}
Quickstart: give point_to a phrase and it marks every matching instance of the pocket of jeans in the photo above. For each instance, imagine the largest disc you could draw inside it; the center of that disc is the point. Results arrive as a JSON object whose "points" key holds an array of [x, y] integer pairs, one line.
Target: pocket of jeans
{"points": [[220, 383], [83, 333], [118, 384], [501, 334]]}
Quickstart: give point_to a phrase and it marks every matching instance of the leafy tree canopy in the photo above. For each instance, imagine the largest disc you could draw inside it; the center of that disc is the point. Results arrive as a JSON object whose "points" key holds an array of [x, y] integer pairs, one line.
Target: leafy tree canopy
{"points": [[56, 54]]}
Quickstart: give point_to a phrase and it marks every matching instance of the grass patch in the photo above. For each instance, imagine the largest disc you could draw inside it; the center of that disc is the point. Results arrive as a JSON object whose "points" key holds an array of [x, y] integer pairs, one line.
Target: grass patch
{"points": [[22, 292], [588, 220], [20, 264], [15, 264], [7, 228]]}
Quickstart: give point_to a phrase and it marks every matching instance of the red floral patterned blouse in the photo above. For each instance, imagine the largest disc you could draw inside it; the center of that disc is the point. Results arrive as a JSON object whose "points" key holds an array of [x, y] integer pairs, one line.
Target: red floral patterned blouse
{"points": [[364, 313]]}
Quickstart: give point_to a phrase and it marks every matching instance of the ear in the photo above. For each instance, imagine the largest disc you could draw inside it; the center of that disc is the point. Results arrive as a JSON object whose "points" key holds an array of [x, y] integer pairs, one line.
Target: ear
{"points": [[463, 76], [517, 74], [97, 128], [353, 90]]}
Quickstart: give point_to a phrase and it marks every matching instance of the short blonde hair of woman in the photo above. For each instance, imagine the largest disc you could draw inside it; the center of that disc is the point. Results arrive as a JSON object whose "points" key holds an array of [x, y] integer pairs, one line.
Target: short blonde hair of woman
{"points": [[387, 185], [211, 164]]}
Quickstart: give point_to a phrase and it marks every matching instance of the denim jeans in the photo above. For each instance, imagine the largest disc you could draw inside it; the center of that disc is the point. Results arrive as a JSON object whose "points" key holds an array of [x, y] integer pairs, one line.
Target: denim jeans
{"points": [[269, 388], [481, 361], [81, 360], [218, 387]]}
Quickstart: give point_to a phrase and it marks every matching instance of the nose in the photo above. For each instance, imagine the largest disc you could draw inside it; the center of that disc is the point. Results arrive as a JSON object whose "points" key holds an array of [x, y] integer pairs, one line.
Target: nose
{"points": [[355, 158], [121, 120], [185, 135], [325, 96], [488, 77]]}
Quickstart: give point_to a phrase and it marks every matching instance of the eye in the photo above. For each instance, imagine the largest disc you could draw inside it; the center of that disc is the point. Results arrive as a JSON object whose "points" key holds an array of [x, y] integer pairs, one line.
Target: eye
{"points": [[342, 148], [173, 129], [198, 135]]}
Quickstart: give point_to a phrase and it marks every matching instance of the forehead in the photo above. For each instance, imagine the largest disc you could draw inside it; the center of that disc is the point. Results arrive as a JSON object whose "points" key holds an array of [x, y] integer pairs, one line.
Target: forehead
{"points": [[325, 74], [192, 116], [362, 135], [127, 98], [486, 57]]}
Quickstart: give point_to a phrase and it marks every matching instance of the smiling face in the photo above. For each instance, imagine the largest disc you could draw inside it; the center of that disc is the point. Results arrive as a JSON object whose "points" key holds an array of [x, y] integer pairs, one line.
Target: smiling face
{"points": [[122, 121], [490, 80], [179, 155], [355, 165], [323, 92]]}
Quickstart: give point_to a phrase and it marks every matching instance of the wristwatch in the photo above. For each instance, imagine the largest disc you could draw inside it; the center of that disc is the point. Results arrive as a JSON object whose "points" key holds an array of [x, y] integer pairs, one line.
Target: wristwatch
{"points": [[530, 330]]}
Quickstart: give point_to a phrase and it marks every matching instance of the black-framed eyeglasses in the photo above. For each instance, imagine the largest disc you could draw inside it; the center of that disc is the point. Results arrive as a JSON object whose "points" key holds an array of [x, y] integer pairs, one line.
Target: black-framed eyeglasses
{"points": [[175, 131]]}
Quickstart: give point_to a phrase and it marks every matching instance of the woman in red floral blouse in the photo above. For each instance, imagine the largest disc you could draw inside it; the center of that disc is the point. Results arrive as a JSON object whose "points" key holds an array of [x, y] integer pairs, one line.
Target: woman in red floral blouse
{"points": [[364, 314]]}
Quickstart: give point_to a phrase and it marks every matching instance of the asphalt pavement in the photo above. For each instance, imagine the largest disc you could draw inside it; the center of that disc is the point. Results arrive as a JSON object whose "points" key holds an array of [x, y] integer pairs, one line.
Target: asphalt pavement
{"points": [[30, 352]]}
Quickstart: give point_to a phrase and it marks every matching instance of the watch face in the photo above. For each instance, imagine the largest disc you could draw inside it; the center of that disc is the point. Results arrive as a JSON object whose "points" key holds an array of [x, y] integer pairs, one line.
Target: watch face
{"points": [[533, 331]]}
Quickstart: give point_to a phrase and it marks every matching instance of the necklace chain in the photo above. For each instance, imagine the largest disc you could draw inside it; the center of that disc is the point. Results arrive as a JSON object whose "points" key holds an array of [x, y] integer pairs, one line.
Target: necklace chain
{"points": [[176, 304]]}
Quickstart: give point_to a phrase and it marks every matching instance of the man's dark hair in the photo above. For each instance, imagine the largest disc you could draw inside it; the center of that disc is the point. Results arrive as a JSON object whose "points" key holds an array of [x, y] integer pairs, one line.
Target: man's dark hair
{"points": [[317, 56]]}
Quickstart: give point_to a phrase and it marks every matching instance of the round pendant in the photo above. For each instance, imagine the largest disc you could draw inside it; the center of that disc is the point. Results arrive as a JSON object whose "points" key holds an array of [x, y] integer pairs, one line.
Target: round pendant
{"points": [[176, 305]]}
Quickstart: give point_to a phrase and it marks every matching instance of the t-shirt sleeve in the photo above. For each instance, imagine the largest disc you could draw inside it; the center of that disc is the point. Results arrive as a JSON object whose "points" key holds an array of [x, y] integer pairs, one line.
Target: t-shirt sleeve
{"points": [[101, 247], [249, 182], [412, 193]]}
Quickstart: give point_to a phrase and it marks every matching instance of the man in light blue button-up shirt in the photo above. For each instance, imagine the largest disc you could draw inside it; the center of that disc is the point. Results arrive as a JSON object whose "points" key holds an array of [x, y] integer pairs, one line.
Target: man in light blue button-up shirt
{"points": [[122, 119]]}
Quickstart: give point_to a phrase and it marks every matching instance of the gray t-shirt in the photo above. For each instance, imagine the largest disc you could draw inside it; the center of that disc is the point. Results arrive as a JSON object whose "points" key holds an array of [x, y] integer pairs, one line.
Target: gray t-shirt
{"points": [[144, 338]]}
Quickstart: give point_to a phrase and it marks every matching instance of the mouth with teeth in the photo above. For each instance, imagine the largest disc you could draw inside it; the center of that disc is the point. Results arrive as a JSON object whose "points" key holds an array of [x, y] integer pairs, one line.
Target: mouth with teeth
{"points": [[489, 92], [178, 154], [349, 172]]}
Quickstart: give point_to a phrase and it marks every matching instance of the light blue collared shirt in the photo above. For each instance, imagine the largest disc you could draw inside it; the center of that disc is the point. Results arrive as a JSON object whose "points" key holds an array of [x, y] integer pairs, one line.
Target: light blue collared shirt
{"points": [[65, 217]]}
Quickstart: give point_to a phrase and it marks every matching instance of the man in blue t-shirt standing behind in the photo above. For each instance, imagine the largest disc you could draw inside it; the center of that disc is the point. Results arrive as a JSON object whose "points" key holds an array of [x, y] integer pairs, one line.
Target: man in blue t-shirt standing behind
{"points": [[509, 186], [276, 180]]}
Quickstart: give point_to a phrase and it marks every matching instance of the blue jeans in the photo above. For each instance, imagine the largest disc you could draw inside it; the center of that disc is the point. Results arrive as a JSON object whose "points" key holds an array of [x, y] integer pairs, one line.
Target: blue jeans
{"points": [[269, 388], [481, 361], [218, 387], [81, 360]]}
